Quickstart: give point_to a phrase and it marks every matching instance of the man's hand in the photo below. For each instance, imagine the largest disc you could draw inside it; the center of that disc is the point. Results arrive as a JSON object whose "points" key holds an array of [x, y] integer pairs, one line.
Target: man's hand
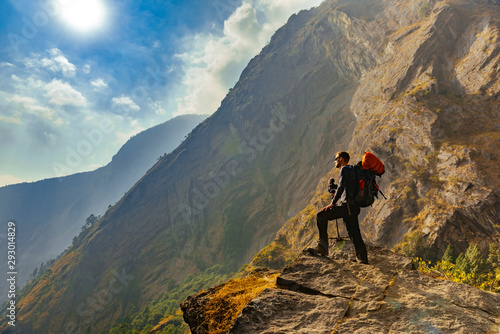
{"points": [[327, 207]]}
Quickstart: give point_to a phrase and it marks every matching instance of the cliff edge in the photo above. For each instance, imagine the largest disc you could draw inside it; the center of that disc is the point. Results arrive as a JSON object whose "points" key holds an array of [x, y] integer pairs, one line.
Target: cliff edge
{"points": [[335, 295]]}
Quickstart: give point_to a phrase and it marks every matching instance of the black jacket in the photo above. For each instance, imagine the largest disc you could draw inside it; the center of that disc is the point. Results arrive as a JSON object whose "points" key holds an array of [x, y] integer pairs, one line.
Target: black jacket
{"points": [[347, 185]]}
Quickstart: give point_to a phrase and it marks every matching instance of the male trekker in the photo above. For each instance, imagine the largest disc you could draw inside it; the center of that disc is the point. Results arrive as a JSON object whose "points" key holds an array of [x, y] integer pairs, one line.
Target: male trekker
{"points": [[348, 210]]}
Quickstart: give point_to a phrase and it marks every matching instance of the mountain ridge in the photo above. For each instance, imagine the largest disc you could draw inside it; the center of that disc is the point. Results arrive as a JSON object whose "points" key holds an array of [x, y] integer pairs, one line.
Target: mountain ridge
{"points": [[58, 207]]}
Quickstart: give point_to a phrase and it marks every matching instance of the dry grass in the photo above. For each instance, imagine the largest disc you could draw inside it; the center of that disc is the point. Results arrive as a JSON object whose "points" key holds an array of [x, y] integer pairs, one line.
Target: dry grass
{"points": [[228, 301]]}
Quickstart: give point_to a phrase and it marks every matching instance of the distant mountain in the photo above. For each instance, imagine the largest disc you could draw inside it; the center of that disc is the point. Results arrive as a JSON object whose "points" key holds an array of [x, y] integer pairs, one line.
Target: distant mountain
{"points": [[402, 79], [50, 213]]}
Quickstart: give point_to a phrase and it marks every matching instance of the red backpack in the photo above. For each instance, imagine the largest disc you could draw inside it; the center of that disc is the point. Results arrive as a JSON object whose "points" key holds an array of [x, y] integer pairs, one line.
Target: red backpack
{"points": [[371, 162], [365, 173]]}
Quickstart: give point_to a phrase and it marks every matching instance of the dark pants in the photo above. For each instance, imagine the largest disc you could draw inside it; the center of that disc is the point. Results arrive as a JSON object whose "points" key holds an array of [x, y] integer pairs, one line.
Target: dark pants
{"points": [[351, 224]]}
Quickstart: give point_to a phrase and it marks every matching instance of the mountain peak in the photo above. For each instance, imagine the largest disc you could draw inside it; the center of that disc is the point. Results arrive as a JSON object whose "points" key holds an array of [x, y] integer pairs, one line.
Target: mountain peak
{"points": [[335, 295]]}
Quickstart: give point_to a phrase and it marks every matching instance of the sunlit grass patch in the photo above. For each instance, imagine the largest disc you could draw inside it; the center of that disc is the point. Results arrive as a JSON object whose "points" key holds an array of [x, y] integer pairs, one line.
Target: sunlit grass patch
{"points": [[227, 302]]}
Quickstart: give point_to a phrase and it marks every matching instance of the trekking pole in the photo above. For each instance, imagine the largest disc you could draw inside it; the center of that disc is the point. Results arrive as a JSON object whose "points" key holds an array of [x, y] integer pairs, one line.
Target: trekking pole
{"points": [[380, 191], [338, 234]]}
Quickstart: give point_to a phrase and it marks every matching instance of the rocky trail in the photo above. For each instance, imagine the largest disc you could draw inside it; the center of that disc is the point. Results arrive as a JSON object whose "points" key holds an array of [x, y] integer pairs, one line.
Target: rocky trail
{"points": [[336, 295]]}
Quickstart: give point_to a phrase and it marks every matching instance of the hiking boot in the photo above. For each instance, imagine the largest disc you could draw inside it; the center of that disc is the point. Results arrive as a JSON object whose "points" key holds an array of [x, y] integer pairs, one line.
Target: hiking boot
{"points": [[358, 260], [320, 249], [317, 251]]}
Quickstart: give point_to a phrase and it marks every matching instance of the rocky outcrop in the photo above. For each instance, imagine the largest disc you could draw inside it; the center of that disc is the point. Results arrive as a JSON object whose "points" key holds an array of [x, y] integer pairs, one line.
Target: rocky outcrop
{"points": [[335, 295]]}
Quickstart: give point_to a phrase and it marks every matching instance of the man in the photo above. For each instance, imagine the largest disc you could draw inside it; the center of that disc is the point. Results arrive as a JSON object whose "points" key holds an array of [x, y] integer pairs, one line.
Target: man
{"points": [[348, 210]]}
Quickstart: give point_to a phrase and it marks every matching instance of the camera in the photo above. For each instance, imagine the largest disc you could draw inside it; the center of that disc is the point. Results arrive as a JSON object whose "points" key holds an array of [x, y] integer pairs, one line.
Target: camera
{"points": [[332, 187]]}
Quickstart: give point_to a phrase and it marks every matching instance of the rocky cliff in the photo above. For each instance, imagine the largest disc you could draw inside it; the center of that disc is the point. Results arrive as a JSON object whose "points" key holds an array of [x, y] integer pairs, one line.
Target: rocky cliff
{"points": [[335, 295], [430, 110], [403, 79]]}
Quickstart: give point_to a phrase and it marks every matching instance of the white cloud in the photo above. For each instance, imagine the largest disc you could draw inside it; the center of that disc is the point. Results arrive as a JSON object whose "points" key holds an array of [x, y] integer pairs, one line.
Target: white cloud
{"points": [[86, 69], [5, 64], [31, 106], [242, 28], [28, 103], [157, 107], [126, 102], [99, 84], [9, 119], [61, 94], [212, 64], [56, 63], [30, 82]]}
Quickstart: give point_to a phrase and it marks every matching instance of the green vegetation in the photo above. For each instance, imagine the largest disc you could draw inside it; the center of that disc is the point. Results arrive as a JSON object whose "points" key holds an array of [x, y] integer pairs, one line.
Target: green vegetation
{"points": [[470, 267], [449, 254], [85, 230], [165, 308], [38, 272], [415, 245], [424, 10], [275, 256]]}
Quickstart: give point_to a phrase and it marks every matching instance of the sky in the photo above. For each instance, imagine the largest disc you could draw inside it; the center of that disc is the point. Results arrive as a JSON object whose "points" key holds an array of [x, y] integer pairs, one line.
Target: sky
{"points": [[78, 78]]}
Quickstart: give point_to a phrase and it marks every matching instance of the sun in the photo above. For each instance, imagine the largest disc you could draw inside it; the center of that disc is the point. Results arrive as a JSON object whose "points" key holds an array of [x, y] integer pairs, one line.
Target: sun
{"points": [[83, 15]]}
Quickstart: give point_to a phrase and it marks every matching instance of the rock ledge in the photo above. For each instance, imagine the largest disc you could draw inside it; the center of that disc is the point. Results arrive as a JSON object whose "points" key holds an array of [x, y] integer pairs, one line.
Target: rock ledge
{"points": [[335, 295]]}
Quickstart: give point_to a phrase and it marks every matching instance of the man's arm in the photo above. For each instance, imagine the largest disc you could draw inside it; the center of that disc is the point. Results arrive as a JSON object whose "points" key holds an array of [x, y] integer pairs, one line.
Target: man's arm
{"points": [[339, 191], [329, 206], [341, 188]]}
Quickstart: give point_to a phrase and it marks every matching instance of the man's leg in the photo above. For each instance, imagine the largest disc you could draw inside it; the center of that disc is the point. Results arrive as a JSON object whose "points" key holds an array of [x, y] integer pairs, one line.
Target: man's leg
{"points": [[352, 225], [322, 219]]}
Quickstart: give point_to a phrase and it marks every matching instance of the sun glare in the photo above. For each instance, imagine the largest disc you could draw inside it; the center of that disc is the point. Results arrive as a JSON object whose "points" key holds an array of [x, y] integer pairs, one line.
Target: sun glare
{"points": [[83, 15]]}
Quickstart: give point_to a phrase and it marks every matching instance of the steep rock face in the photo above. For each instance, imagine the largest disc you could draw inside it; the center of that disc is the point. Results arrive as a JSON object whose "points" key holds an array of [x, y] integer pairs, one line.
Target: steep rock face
{"points": [[49, 213], [435, 90], [336, 295], [429, 109]]}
